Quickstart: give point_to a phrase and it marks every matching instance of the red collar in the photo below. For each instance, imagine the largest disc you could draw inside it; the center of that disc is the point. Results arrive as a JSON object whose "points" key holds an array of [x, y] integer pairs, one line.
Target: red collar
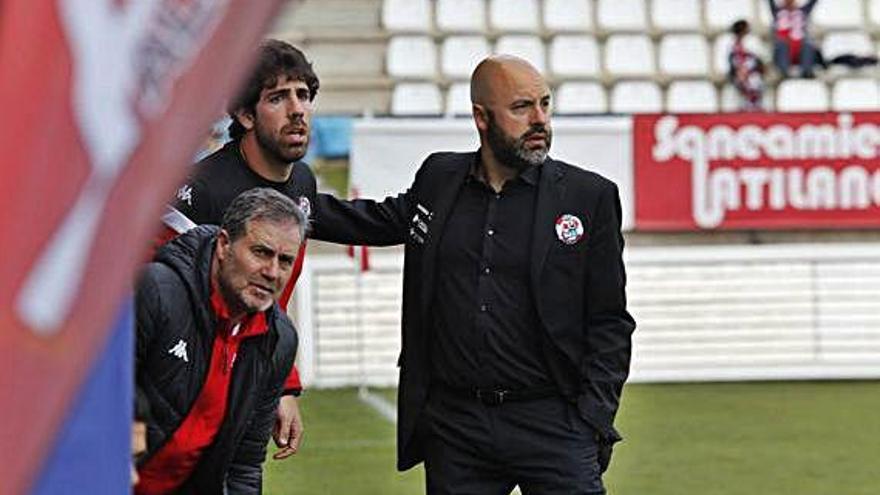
{"points": [[252, 324]]}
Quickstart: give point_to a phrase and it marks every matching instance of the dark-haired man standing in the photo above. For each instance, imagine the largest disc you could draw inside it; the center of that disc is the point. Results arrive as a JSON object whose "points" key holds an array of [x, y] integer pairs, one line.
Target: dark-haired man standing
{"points": [[270, 117]]}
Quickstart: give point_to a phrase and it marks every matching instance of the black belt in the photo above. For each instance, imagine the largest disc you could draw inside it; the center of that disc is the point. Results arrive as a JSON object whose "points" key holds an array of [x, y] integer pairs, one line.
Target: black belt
{"points": [[496, 397]]}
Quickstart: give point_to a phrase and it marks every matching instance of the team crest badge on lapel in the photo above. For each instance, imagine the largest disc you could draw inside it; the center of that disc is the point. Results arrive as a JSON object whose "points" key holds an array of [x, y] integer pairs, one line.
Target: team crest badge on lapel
{"points": [[569, 229]]}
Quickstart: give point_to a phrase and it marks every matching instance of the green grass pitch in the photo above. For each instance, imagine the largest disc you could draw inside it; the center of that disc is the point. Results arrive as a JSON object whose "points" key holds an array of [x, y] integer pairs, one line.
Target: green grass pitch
{"points": [[800, 438]]}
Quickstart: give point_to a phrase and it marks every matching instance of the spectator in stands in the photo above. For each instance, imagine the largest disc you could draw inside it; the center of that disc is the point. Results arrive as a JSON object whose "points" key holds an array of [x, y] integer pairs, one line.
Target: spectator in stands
{"points": [[792, 44], [516, 337], [746, 69], [270, 123], [213, 348]]}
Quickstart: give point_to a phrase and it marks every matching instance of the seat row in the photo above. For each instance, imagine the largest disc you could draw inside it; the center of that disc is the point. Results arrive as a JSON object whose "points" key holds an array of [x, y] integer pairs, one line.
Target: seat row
{"points": [[533, 16], [643, 96], [568, 56]]}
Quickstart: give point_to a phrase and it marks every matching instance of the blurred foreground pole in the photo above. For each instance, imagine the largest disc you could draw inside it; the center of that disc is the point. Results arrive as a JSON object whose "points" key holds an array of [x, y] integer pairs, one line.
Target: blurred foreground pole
{"points": [[105, 102]]}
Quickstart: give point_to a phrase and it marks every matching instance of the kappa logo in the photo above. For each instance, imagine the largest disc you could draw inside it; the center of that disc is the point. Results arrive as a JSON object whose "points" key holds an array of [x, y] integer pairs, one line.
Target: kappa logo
{"points": [[179, 350], [185, 194]]}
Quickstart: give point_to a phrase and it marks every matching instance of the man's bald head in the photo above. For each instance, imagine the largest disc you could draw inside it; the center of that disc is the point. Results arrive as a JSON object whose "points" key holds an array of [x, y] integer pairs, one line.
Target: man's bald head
{"points": [[498, 73], [511, 104]]}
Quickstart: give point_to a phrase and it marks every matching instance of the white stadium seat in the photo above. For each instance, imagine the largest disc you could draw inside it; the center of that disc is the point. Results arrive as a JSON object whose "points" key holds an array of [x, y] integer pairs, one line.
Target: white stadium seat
{"points": [[416, 99], [636, 97], [411, 57], [684, 55], [721, 50], [764, 17], [721, 14], [573, 55], [731, 101], [691, 97], [514, 15], [580, 98], [458, 99], [527, 47], [855, 94], [622, 15], [874, 13], [838, 14], [461, 16], [629, 55], [459, 55], [568, 15], [802, 95], [676, 15], [407, 15], [843, 42]]}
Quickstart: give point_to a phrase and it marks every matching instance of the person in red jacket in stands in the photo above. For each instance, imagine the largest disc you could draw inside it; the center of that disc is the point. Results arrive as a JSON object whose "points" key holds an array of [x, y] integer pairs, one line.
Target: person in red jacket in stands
{"points": [[746, 69], [791, 36]]}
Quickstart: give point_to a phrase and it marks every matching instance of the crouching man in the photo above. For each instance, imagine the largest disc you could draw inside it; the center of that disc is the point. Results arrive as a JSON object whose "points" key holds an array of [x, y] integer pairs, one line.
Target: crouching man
{"points": [[214, 349]]}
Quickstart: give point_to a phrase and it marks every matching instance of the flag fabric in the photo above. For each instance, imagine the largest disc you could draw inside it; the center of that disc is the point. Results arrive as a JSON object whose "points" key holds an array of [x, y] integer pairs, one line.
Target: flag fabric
{"points": [[106, 102]]}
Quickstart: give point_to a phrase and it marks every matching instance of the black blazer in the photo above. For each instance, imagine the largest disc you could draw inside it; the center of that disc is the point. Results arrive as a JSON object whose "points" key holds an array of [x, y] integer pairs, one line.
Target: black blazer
{"points": [[579, 288]]}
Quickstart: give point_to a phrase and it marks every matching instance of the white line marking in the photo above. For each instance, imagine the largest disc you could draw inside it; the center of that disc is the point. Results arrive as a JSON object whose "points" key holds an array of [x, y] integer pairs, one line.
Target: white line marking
{"points": [[385, 409]]}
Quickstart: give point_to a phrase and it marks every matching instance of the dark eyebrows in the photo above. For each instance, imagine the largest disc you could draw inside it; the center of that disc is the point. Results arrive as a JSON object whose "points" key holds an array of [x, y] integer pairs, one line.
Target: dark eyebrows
{"points": [[262, 248], [277, 92], [283, 257], [300, 92], [529, 102]]}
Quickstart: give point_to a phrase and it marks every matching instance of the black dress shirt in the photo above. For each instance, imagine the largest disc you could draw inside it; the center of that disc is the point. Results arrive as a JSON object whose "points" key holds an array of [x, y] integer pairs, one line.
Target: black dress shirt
{"points": [[485, 326]]}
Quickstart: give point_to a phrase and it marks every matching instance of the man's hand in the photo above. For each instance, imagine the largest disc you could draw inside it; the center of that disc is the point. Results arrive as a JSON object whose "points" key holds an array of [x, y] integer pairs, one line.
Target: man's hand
{"points": [[288, 429], [138, 438], [138, 446]]}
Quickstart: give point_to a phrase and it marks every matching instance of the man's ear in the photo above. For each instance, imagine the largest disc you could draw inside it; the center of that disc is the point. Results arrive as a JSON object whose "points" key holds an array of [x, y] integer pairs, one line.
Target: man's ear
{"points": [[481, 117], [245, 118], [224, 244]]}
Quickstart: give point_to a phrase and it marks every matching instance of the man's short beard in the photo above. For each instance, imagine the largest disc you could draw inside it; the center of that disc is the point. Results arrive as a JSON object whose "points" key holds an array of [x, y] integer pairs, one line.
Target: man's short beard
{"points": [[512, 152], [270, 144], [233, 302]]}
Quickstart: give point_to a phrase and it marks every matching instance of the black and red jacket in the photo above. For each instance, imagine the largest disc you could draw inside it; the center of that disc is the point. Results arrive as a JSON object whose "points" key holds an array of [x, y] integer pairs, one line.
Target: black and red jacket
{"points": [[172, 304], [219, 178]]}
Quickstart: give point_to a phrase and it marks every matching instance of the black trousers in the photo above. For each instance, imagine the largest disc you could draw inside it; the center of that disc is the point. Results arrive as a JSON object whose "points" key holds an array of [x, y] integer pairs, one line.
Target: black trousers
{"points": [[542, 445]]}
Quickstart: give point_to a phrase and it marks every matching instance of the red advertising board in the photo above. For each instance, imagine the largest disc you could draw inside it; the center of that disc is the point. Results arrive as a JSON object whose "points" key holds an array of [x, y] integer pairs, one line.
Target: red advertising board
{"points": [[105, 103], [757, 171]]}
